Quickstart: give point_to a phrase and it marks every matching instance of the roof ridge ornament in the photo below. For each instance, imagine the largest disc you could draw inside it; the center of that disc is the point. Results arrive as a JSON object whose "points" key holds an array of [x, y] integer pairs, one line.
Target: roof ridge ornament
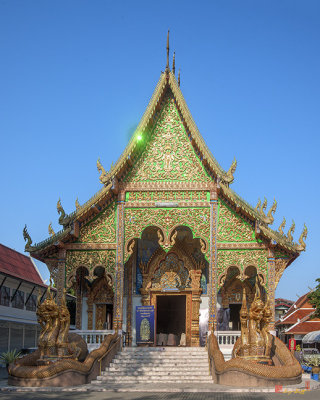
{"points": [[229, 177], [282, 225], [50, 230], [291, 231], [263, 207], [174, 63], [269, 218], [302, 238], [77, 204], [64, 219], [179, 78], [258, 206], [27, 239], [167, 66], [103, 176]]}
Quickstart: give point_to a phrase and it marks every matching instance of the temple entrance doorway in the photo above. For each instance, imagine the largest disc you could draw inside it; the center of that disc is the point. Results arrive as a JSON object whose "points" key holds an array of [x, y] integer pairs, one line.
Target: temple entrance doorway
{"points": [[234, 324], [170, 319]]}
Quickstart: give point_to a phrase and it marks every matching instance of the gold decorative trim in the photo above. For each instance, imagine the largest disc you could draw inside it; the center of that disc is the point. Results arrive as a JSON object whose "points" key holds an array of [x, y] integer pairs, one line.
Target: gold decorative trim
{"points": [[150, 186], [91, 246], [239, 245], [152, 204]]}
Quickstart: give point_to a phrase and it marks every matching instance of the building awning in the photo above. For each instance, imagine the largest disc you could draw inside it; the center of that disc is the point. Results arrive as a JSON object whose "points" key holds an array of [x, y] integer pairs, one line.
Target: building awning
{"points": [[312, 337]]}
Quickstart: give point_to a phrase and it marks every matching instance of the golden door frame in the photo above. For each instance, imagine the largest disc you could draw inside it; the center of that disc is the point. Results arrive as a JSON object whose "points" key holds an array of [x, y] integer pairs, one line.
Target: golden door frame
{"points": [[192, 294], [154, 293]]}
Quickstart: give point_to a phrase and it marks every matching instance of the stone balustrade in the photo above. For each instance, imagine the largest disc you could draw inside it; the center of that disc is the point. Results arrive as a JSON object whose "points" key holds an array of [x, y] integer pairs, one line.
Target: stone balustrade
{"points": [[226, 340], [93, 338]]}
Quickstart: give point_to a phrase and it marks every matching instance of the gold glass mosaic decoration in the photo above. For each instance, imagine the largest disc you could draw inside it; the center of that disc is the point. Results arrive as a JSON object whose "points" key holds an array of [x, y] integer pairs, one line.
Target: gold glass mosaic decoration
{"points": [[231, 227], [169, 155], [101, 229], [167, 219], [180, 195], [242, 259], [90, 260]]}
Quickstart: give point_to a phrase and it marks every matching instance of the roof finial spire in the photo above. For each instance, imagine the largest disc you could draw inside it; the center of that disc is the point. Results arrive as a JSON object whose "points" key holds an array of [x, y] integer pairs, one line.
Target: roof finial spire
{"points": [[167, 67], [174, 63], [179, 78]]}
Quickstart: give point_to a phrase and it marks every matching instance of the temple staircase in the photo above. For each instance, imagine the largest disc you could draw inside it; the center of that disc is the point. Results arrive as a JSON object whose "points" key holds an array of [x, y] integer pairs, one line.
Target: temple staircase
{"points": [[157, 364]]}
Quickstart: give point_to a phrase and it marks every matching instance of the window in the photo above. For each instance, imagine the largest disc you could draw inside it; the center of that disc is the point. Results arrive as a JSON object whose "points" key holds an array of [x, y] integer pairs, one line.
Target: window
{"points": [[32, 302], [4, 296], [18, 301]]}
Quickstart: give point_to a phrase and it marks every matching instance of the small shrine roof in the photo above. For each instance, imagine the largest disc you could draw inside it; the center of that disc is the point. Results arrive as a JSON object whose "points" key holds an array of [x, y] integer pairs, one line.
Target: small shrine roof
{"points": [[295, 316], [19, 266], [304, 327]]}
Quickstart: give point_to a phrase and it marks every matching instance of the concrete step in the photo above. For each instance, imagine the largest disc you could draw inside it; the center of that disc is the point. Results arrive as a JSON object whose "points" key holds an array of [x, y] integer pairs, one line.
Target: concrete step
{"points": [[156, 373], [147, 379], [164, 349], [156, 354], [158, 362], [157, 365], [142, 370]]}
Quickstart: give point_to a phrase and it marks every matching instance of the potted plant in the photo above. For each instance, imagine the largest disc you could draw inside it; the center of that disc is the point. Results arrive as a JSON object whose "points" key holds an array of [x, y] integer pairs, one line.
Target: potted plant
{"points": [[313, 361], [9, 357]]}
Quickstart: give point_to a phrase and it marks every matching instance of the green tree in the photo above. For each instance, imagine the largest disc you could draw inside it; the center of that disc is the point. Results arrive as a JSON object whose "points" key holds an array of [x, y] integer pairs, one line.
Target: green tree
{"points": [[314, 299]]}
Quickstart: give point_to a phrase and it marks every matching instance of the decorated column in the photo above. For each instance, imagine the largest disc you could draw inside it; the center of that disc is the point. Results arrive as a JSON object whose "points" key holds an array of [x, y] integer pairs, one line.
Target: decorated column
{"points": [[213, 261], [118, 301], [61, 274], [271, 285]]}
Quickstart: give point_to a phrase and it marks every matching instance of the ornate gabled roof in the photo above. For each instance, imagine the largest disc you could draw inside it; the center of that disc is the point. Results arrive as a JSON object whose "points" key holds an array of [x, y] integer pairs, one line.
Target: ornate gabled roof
{"points": [[113, 178]]}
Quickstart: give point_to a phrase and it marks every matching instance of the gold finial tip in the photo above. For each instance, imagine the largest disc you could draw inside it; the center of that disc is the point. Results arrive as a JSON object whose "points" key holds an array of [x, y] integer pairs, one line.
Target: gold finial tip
{"points": [[167, 67]]}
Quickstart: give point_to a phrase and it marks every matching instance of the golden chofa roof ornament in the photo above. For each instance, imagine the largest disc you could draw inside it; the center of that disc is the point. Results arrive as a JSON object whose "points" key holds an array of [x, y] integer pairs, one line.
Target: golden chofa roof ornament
{"points": [[257, 208], [229, 177], [270, 216], [103, 178], [77, 204], [291, 231], [282, 226], [64, 219], [263, 207], [50, 230], [302, 245], [27, 239]]}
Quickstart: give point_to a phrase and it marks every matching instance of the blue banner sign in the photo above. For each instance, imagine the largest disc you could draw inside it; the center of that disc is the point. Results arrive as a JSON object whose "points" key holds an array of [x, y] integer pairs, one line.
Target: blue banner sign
{"points": [[145, 324]]}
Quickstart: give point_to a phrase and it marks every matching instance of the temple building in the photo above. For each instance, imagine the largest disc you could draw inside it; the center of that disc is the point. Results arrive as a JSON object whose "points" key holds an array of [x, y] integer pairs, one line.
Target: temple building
{"points": [[166, 230]]}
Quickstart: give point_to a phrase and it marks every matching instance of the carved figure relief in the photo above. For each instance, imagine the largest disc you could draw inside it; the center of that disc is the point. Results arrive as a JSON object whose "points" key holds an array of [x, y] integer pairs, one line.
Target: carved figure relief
{"points": [[171, 274]]}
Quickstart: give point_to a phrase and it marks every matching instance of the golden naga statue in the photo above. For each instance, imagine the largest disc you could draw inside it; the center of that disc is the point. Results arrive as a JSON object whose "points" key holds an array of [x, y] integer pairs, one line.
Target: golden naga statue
{"points": [[258, 358], [255, 341], [55, 322]]}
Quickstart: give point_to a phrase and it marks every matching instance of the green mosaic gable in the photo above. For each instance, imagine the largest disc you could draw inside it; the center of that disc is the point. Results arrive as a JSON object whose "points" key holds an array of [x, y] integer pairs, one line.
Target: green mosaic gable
{"points": [[102, 228], [169, 155], [231, 227]]}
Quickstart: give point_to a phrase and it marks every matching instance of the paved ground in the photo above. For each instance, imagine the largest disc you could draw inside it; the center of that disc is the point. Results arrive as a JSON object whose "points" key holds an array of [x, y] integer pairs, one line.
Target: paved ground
{"points": [[160, 392], [311, 395]]}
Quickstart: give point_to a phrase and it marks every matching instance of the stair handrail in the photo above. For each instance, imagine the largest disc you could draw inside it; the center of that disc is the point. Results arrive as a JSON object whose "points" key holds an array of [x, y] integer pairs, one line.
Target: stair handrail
{"points": [[108, 351]]}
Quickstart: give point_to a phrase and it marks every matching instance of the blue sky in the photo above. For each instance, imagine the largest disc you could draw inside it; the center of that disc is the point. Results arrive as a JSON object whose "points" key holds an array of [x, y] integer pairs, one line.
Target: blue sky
{"points": [[76, 77]]}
